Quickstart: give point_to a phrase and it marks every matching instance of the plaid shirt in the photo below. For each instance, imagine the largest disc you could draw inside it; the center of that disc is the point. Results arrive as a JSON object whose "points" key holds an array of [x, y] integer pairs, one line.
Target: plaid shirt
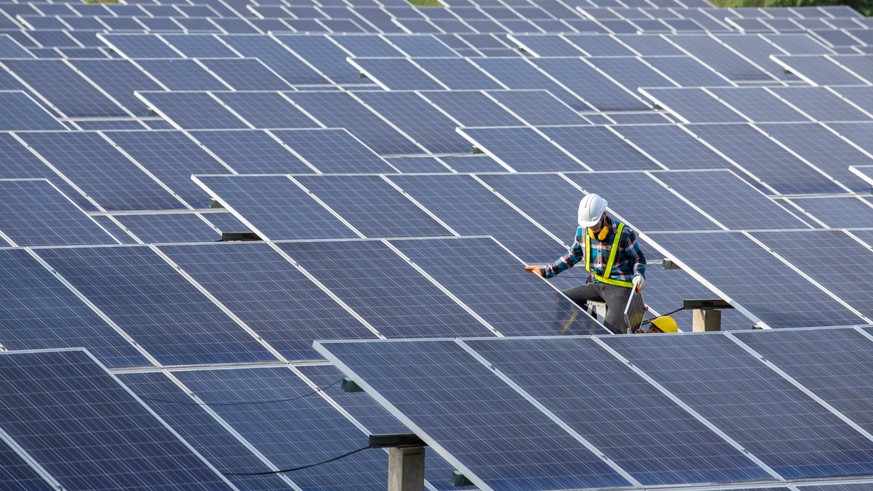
{"points": [[629, 260]]}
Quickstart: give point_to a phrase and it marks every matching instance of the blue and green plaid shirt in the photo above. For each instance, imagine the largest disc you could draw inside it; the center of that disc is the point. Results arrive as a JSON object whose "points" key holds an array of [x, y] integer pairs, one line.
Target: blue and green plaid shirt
{"points": [[629, 260]]}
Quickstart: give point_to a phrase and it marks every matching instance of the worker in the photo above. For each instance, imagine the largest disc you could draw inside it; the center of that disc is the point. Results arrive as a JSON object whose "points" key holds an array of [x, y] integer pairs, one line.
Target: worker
{"points": [[664, 323], [611, 256]]}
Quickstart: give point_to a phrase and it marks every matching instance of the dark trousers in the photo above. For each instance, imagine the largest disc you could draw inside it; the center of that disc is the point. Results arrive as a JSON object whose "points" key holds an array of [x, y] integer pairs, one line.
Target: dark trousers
{"points": [[616, 298]]}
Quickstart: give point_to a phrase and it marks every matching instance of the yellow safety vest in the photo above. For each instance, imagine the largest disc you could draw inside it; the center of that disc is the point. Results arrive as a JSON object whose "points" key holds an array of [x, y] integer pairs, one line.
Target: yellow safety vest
{"points": [[609, 263]]}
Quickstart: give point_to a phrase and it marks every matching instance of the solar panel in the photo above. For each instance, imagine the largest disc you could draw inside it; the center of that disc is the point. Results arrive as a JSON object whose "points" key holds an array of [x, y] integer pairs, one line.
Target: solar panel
{"points": [[818, 70], [838, 211], [458, 73], [857, 133], [245, 74], [515, 446], [777, 296], [301, 431], [65, 90], [366, 45], [198, 46], [396, 73], [672, 147], [15, 472], [206, 434], [590, 85], [606, 410], [537, 107], [333, 151], [545, 45], [797, 44], [415, 165], [693, 105], [74, 395], [859, 65], [340, 110], [527, 306], [23, 113], [631, 73], [277, 57], [192, 110], [139, 45], [521, 149], [518, 74], [823, 149], [270, 295], [861, 96], [451, 197], [650, 207], [471, 108], [321, 53], [758, 51], [395, 291], [155, 305], [181, 74], [251, 152], [643, 44], [423, 123], [162, 228], [527, 191], [101, 171], [757, 104], [717, 56], [9, 48], [172, 157], [822, 254], [764, 159], [419, 46], [733, 202], [265, 110], [763, 412], [598, 148], [820, 104]]}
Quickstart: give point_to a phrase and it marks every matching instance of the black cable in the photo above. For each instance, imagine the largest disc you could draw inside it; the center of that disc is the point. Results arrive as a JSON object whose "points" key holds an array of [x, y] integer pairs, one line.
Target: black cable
{"points": [[243, 403], [648, 321], [292, 469]]}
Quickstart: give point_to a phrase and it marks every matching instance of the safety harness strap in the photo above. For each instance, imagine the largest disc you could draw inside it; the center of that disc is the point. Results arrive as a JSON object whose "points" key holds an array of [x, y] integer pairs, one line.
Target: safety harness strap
{"points": [[609, 263]]}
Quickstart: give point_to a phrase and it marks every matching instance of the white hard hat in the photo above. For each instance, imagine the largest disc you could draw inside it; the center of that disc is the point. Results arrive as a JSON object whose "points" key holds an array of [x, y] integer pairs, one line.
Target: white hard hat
{"points": [[591, 208]]}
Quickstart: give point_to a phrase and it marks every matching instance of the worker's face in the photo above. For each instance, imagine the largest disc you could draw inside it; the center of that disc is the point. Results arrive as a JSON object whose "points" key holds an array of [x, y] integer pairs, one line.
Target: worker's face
{"points": [[597, 226]]}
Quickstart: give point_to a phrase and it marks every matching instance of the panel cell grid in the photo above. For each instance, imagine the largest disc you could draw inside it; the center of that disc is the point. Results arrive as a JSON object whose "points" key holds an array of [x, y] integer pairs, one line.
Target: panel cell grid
{"points": [[693, 105], [245, 74], [471, 108], [198, 46], [113, 440], [517, 73], [820, 103], [631, 73], [163, 228], [266, 110], [662, 444], [181, 74], [687, 71], [20, 112], [155, 305], [251, 152], [778, 296], [396, 74], [819, 70], [333, 151], [757, 104], [590, 85], [373, 206], [766, 414], [321, 53], [270, 295], [277, 57], [15, 473], [538, 107], [598, 148], [458, 73], [726, 62], [861, 96], [672, 147], [527, 192], [140, 46], [839, 211], [384, 289], [522, 149], [193, 110]]}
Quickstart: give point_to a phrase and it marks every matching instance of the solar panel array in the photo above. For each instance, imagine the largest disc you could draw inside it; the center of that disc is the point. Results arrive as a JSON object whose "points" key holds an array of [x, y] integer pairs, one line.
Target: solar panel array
{"points": [[398, 165]]}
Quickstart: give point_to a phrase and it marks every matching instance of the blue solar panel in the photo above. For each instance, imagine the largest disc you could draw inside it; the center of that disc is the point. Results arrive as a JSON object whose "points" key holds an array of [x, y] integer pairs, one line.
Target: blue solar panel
{"points": [[471, 108], [458, 73], [294, 433], [333, 151], [16, 162], [857, 133], [719, 57], [590, 85], [9, 48], [671, 146], [521, 149], [415, 165], [693, 105], [422, 122], [838, 211], [266, 110], [758, 51], [451, 197], [373, 206], [779, 296], [101, 171], [154, 304], [764, 159], [245, 74], [251, 152], [821, 104], [509, 444], [340, 110], [545, 45], [198, 46], [687, 71], [419, 46], [757, 104], [15, 473], [861, 96], [765, 413], [169, 228], [822, 254], [537, 107], [35, 213], [366, 45], [649, 208], [631, 73], [520, 74], [606, 410], [396, 74], [139, 45], [192, 110], [598, 148], [859, 65], [321, 53], [277, 57], [275, 207], [395, 294], [526, 307], [818, 70], [207, 435], [181, 74], [172, 157], [47, 394], [23, 113], [526, 192], [68, 92], [728, 199], [272, 297]]}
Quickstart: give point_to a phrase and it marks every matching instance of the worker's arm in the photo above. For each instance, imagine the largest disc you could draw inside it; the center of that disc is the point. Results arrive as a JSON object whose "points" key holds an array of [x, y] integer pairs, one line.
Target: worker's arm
{"points": [[575, 254], [638, 259]]}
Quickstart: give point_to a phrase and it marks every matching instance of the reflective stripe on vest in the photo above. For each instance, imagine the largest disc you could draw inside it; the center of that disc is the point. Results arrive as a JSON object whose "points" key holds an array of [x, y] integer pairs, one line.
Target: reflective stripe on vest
{"points": [[609, 263]]}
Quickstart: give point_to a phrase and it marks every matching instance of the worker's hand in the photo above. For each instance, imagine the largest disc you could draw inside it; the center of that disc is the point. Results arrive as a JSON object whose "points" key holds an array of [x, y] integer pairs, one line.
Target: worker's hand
{"points": [[639, 282], [535, 270]]}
